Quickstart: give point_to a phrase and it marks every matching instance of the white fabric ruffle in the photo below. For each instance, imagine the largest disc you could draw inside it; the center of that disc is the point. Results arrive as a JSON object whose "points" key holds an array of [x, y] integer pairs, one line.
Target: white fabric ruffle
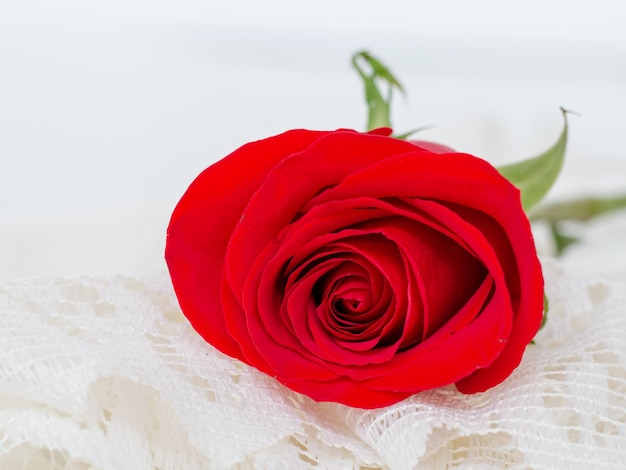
{"points": [[106, 373]]}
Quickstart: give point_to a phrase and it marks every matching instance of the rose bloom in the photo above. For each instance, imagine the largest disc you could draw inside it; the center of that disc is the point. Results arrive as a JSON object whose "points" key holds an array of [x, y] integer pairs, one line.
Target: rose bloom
{"points": [[358, 268]]}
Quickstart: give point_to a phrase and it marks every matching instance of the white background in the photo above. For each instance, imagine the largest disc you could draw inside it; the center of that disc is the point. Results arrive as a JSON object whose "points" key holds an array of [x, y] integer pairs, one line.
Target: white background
{"points": [[108, 110]]}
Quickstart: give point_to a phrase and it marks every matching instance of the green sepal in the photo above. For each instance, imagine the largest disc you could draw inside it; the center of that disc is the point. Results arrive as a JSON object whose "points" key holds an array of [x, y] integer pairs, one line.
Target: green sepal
{"points": [[379, 69], [408, 134], [378, 106], [534, 177], [546, 308], [544, 320]]}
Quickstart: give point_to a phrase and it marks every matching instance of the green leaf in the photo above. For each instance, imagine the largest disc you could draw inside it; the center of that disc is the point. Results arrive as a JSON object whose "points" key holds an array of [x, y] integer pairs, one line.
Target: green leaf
{"points": [[561, 240], [534, 177], [378, 107], [582, 209]]}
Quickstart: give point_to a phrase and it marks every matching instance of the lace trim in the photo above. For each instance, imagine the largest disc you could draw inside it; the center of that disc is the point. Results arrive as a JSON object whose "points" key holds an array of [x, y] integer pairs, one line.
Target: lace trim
{"points": [[105, 373]]}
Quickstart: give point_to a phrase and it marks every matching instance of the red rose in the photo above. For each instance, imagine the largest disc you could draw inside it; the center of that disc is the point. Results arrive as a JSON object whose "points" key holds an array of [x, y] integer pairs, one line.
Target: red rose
{"points": [[358, 268]]}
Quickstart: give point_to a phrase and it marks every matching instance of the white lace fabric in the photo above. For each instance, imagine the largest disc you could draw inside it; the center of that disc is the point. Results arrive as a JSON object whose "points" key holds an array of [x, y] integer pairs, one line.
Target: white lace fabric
{"points": [[106, 373]]}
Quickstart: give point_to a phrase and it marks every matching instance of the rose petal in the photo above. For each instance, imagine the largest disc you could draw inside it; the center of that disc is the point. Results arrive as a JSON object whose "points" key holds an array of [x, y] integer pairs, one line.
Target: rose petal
{"points": [[470, 182], [432, 146], [447, 273], [291, 184], [202, 223], [453, 224], [431, 363]]}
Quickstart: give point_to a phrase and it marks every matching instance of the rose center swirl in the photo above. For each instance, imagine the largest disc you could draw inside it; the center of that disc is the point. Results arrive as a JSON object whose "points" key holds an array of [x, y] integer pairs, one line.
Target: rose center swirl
{"points": [[390, 282], [358, 289]]}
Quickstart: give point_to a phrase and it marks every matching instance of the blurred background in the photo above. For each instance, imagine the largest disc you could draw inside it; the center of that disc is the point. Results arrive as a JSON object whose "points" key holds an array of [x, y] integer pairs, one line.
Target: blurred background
{"points": [[109, 109]]}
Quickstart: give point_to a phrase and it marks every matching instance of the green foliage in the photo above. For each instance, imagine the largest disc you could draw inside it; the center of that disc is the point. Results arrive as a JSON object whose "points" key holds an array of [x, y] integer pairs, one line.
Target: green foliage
{"points": [[582, 209], [534, 177], [378, 106]]}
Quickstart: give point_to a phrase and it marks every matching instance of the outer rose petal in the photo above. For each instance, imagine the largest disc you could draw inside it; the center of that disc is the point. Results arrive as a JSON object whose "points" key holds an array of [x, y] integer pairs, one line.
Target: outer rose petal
{"points": [[202, 224]]}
